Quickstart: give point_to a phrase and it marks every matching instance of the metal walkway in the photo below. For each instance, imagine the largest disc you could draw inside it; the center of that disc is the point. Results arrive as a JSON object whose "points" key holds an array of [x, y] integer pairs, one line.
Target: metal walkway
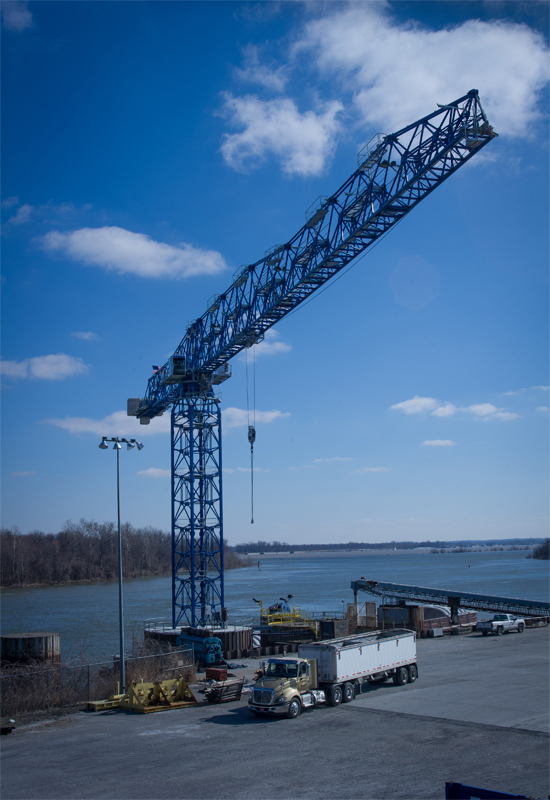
{"points": [[452, 598]]}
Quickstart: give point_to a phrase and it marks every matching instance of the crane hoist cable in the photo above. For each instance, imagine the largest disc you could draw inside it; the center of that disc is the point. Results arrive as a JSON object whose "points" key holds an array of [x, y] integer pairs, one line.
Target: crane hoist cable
{"points": [[251, 428]]}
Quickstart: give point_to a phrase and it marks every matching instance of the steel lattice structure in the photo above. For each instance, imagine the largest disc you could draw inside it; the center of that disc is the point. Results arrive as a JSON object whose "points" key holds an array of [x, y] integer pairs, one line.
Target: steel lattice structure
{"points": [[395, 173]]}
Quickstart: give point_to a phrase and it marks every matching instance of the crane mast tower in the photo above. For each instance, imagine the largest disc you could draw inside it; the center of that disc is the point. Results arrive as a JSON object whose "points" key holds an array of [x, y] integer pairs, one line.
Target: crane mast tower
{"points": [[395, 172]]}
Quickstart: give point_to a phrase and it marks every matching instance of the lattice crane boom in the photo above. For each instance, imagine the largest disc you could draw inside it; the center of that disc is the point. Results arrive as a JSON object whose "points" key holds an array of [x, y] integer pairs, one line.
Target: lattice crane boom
{"points": [[395, 172]]}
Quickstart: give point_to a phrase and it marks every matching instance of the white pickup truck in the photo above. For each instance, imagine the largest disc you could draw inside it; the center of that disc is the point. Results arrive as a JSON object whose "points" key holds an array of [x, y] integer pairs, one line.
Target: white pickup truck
{"points": [[501, 623]]}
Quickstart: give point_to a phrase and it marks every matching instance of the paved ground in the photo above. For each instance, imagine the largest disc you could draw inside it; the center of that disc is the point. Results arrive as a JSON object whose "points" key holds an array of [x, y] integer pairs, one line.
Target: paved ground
{"points": [[477, 715]]}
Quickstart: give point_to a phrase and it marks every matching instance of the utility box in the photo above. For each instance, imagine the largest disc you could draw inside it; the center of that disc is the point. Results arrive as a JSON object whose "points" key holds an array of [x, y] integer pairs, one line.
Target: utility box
{"points": [[216, 674]]}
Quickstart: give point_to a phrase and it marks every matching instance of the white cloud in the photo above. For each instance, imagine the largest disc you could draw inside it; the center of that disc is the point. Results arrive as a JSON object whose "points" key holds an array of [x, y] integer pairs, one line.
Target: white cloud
{"points": [[16, 16], [125, 252], [485, 411], [328, 460], [397, 71], [9, 202], [238, 417], [271, 346], [543, 409], [48, 368], [256, 469], [372, 469], [302, 142], [438, 443], [446, 410], [23, 215], [254, 72], [87, 336], [155, 472], [525, 389], [24, 474], [488, 411], [116, 424], [416, 405]]}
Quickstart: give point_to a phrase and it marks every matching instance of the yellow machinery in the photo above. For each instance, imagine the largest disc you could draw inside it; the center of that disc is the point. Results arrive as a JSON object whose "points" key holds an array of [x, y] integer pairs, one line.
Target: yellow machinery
{"points": [[148, 697]]}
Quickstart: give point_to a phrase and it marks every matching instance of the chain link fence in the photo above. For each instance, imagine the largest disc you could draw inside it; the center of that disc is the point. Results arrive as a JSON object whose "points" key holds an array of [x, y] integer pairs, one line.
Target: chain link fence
{"points": [[45, 687]]}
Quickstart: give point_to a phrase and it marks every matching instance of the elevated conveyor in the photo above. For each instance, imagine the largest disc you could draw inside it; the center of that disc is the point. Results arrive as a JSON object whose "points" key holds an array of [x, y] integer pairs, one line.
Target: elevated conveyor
{"points": [[452, 598]]}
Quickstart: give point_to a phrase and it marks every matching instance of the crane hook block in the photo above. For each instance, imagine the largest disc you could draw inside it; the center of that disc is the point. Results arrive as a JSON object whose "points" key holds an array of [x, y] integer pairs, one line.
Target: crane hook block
{"points": [[251, 435]]}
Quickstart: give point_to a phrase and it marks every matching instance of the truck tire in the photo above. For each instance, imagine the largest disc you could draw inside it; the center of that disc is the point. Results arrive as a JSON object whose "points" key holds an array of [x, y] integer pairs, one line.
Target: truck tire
{"points": [[334, 696], [500, 630], [294, 708], [401, 676], [485, 633], [412, 669], [348, 692], [521, 626]]}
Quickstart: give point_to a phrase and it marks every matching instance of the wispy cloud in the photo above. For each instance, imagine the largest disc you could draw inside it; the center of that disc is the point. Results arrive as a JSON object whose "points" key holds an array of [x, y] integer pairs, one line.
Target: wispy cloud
{"points": [[371, 469], [419, 405], [525, 389], [328, 460], [22, 215], [16, 16], [86, 336], [253, 71], [487, 411], [118, 250], [155, 472], [416, 405], [302, 142], [543, 409], [438, 443], [24, 474], [47, 368], [238, 417], [9, 202], [116, 424]]}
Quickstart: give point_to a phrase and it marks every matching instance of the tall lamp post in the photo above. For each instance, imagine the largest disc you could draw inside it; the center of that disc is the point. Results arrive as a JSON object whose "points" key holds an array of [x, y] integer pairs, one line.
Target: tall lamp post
{"points": [[130, 443]]}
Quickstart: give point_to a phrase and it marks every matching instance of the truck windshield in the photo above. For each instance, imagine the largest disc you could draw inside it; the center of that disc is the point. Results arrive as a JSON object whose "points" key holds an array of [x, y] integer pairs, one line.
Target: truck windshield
{"points": [[281, 669]]}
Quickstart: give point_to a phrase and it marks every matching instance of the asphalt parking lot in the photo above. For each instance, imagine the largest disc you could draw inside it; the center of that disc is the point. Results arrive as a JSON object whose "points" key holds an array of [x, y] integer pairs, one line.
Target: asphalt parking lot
{"points": [[478, 714]]}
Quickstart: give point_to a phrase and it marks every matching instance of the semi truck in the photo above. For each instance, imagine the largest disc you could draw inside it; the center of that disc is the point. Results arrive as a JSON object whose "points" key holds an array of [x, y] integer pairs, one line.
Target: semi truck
{"points": [[333, 671]]}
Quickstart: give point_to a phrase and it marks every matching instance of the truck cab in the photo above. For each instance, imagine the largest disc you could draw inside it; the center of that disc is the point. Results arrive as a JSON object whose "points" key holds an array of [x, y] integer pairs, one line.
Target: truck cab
{"points": [[287, 684]]}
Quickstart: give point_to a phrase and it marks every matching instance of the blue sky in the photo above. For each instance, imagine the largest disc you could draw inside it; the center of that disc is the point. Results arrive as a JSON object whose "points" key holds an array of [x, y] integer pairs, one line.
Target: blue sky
{"points": [[150, 149]]}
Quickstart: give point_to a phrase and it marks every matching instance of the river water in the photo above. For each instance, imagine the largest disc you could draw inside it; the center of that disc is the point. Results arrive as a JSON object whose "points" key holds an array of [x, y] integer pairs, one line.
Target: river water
{"points": [[86, 614]]}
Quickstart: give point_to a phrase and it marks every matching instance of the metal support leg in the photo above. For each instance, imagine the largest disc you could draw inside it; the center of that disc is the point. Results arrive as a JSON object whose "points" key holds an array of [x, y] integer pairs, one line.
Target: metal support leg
{"points": [[197, 522]]}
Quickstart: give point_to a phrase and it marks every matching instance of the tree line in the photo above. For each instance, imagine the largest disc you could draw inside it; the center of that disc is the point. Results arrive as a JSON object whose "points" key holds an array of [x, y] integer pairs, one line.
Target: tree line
{"points": [[284, 547], [88, 551]]}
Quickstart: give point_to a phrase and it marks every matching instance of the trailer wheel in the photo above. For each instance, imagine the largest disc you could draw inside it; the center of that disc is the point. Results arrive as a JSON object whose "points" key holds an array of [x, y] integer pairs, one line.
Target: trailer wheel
{"points": [[413, 672], [294, 708], [521, 626], [500, 630], [348, 693], [334, 697], [401, 676]]}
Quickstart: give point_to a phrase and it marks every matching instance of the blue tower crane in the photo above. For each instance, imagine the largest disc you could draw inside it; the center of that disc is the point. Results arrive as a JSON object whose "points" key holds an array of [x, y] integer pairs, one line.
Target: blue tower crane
{"points": [[395, 172]]}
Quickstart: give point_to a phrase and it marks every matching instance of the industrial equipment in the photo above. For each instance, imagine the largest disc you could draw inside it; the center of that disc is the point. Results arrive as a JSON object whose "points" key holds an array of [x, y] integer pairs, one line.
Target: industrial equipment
{"points": [[206, 649], [395, 172]]}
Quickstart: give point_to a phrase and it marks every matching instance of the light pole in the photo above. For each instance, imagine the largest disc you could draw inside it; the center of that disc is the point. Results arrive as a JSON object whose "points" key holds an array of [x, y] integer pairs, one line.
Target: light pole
{"points": [[117, 446]]}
